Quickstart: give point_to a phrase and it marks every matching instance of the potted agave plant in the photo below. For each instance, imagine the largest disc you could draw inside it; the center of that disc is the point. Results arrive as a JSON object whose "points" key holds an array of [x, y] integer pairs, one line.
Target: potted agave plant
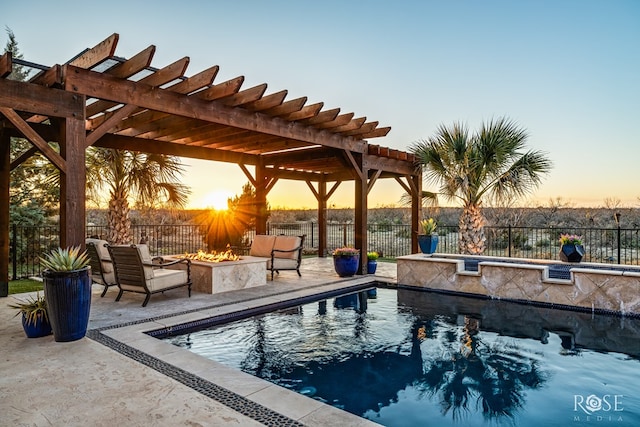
{"points": [[428, 240], [346, 261], [67, 289], [35, 320]]}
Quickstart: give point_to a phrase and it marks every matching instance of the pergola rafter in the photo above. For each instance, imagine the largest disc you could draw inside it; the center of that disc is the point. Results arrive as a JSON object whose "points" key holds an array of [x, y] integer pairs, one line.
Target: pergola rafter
{"points": [[101, 99]]}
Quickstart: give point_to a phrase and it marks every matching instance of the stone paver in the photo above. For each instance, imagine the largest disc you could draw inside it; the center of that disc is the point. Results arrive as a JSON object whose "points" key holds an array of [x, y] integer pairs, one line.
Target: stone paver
{"points": [[87, 383]]}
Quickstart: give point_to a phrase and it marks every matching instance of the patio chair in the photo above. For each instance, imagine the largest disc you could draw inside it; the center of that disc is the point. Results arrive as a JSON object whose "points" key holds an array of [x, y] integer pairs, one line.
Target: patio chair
{"points": [[282, 252], [137, 272], [101, 265]]}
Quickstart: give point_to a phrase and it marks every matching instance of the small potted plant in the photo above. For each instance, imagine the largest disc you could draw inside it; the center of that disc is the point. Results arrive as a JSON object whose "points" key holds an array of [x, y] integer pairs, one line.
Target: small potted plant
{"points": [[35, 320], [571, 249], [372, 262], [346, 261], [67, 289], [428, 240]]}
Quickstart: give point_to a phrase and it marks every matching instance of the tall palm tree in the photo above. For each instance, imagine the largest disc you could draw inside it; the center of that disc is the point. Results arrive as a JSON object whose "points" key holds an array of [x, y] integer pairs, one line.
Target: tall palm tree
{"points": [[468, 167], [462, 368], [149, 179]]}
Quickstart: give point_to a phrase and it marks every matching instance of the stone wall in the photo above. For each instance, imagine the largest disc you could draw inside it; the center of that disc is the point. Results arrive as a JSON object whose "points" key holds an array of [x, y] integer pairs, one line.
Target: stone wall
{"points": [[592, 288]]}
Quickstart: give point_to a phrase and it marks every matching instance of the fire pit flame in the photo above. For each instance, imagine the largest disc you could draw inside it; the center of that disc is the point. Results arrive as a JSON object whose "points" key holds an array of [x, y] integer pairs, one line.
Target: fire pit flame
{"points": [[213, 256]]}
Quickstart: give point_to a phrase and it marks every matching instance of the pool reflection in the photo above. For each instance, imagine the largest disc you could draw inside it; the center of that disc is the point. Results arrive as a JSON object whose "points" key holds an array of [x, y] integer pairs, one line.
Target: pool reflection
{"points": [[375, 355]]}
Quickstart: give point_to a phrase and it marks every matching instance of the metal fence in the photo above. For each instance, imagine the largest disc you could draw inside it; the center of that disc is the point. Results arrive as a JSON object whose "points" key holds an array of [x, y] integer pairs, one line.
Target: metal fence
{"points": [[605, 245]]}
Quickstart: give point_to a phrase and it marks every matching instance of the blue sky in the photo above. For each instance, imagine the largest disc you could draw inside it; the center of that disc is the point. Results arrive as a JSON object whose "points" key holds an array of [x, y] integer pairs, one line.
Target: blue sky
{"points": [[567, 71]]}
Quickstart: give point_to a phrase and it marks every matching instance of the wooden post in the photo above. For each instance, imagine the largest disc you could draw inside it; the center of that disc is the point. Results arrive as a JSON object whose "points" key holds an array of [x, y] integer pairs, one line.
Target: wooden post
{"points": [[261, 198], [416, 210], [72, 183], [5, 169], [361, 190], [322, 218]]}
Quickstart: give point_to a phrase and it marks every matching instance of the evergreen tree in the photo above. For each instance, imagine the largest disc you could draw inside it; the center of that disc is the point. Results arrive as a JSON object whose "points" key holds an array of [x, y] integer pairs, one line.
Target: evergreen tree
{"points": [[30, 192], [19, 72]]}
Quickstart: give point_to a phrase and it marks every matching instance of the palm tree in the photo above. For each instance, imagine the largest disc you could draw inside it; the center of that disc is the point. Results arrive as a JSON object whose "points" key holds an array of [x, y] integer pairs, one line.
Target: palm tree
{"points": [[462, 368], [150, 179], [488, 163]]}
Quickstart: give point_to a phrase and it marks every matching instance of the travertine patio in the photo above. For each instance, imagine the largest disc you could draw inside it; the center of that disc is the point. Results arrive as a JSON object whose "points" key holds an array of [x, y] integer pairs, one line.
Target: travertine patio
{"points": [[119, 376]]}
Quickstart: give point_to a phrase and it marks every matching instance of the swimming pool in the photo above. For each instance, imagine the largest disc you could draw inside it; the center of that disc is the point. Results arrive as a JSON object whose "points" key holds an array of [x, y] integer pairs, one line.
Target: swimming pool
{"points": [[410, 357]]}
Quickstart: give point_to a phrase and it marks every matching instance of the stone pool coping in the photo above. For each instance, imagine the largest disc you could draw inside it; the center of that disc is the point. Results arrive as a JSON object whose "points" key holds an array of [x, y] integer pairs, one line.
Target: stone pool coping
{"points": [[86, 382], [250, 396], [605, 288]]}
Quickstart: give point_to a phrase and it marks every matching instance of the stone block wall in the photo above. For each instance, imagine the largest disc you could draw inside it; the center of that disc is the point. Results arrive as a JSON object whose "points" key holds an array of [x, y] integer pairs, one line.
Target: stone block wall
{"points": [[603, 289]]}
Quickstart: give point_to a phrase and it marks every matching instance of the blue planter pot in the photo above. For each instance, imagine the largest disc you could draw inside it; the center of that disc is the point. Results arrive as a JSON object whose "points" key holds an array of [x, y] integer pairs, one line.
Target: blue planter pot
{"points": [[40, 328], [571, 253], [68, 296], [428, 243], [346, 266], [372, 265], [347, 301]]}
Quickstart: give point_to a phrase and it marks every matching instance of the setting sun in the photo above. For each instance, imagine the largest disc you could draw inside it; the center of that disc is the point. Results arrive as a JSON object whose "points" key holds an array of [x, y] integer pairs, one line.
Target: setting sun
{"points": [[217, 199]]}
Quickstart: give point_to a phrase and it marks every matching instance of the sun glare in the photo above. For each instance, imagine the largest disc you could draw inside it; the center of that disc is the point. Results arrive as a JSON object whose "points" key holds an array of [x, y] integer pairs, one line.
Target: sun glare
{"points": [[217, 200]]}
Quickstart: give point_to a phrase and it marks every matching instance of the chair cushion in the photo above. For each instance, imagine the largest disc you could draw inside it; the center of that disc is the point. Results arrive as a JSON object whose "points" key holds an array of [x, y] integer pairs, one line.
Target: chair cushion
{"points": [[286, 243], [164, 278], [282, 264], [145, 256], [103, 254], [262, 245], [110, 277]]}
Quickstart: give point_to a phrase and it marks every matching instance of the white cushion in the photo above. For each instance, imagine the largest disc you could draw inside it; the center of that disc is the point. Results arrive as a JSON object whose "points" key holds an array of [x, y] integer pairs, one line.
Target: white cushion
{"points": [[105, 258], [163, 279], [110, 277], [286, 243], [282, 264], [262, 245], [146, 260]]}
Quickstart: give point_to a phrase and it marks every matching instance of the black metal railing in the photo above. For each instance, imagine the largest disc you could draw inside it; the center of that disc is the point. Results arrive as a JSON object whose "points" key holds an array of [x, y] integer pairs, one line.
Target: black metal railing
{"points": [[606, 245], [28, 244]]}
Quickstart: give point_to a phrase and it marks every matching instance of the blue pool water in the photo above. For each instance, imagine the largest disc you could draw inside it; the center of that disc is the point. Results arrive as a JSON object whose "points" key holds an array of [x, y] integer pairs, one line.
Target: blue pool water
{"points": [[416, 358]]}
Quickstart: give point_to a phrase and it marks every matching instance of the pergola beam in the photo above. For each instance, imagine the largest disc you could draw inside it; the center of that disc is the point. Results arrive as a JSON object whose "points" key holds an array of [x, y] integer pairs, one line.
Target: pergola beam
{"points": [[6, 65], [32, 98], [102, 86], [158, 147], [98, 53], [34, 138], [168, 113]]}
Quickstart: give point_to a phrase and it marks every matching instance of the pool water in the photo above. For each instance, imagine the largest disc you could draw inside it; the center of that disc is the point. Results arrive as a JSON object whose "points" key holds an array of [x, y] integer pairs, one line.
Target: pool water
{"points": [[416, 358]]}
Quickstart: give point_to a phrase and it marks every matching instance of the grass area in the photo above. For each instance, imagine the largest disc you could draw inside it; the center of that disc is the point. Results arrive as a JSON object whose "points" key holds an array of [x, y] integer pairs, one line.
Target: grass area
{"points": [[24, 285]]}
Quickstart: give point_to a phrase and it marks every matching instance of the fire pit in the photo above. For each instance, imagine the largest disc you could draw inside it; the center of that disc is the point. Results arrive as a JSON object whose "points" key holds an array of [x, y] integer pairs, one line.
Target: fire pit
{"points": [[213, 272], [214, 256]]}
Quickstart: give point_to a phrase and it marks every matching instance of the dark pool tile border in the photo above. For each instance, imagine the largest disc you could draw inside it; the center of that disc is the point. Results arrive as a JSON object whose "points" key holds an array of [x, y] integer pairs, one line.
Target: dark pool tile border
{"points": [[250, 312], [228, 398], [220, 394], [216, 305]]}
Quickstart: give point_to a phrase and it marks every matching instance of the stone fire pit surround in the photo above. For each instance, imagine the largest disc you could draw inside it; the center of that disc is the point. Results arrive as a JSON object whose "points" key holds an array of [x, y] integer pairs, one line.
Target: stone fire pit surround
{"points": [[213, 277]]}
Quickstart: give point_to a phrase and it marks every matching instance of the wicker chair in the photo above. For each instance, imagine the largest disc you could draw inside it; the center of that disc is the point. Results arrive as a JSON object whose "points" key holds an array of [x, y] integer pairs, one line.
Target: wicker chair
{"points": [[101, 265], [137, 272]]}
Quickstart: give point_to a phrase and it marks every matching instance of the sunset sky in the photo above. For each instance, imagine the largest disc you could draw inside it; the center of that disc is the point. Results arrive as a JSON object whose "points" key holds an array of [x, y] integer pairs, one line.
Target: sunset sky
{"points": [[566, 70]]}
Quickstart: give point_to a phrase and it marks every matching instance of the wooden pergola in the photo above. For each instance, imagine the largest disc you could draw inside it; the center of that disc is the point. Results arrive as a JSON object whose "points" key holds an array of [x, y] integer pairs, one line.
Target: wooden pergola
{"points": [[101, 99]]}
